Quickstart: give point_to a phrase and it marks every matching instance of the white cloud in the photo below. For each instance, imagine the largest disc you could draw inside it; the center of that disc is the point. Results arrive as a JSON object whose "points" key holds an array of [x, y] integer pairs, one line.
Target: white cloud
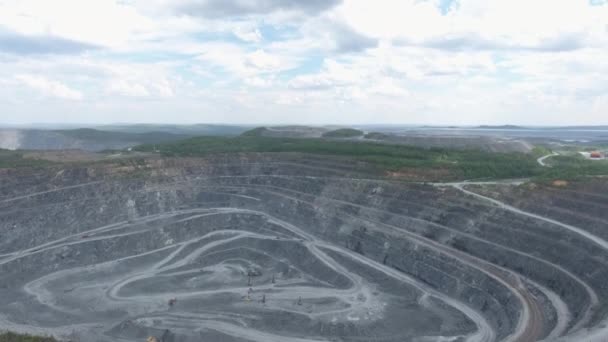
{"points": [[334, 74], [388, 87], [138, 79], [123, 87], [258, 82], [506, 23], [264, 61], [600, 107], [244, 63], [101, 22], [250, 35], [288, 99], [490, 61], [390, 19], [49, 87]]}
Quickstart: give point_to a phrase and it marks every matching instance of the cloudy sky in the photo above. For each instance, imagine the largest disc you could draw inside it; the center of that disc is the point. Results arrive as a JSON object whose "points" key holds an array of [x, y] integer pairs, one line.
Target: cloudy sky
{"points": [[304, 61]]}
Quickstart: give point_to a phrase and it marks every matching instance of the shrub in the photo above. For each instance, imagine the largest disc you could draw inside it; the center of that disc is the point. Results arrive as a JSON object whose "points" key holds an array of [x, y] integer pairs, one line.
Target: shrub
{"points": [[12, 337]]}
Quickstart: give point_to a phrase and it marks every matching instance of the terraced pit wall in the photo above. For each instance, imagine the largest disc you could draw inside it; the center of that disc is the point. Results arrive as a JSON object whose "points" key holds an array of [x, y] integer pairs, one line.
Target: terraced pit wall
{"points": [[282, 247]]}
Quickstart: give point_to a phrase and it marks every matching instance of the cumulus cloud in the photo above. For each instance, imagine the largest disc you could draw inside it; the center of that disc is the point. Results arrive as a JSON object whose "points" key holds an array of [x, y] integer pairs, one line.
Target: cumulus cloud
{"points": [[258, 82], [15, 43], [333, 75], [566, 42], [137, 80], [239, 8], [336, 36], [107, 23], [123, 87], [348, 40], [243, 63], [263, 61], [250, 35], [387, 60], [542, 25], [49, 87]]}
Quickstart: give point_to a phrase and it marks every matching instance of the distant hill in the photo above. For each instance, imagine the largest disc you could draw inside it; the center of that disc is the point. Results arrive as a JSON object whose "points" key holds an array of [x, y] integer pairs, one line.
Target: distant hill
{"points": [[191, 130], [256, 132], [293, 131], [82, 138], [599, 127], [343, 133], [377, 136], [500, 127], [89, 134], [547, 128]]}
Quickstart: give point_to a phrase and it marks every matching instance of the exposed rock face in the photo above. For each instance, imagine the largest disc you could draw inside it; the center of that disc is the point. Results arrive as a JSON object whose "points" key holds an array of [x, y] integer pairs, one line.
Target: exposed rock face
{"points": [[285, 248]]}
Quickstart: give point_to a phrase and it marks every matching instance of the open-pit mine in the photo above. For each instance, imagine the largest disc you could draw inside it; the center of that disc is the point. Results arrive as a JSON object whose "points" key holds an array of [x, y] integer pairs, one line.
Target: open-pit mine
{"points": [[297, 248]]}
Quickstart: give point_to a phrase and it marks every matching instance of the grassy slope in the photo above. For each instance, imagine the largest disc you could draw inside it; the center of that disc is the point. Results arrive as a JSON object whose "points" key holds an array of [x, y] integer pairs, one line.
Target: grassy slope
{"points": [[457, 164], [11, 159], [573, 166]]}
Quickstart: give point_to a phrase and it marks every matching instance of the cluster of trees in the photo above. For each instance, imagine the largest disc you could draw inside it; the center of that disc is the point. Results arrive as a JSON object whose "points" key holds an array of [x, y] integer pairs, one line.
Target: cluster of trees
{"points": [[11, 159], [456, 164], [343, 133], [574, 166], [12, 337]]}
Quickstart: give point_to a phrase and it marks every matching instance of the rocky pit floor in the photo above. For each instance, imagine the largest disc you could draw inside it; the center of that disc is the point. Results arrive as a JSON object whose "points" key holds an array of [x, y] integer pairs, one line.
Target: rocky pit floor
{"points": [[283, 248]]}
